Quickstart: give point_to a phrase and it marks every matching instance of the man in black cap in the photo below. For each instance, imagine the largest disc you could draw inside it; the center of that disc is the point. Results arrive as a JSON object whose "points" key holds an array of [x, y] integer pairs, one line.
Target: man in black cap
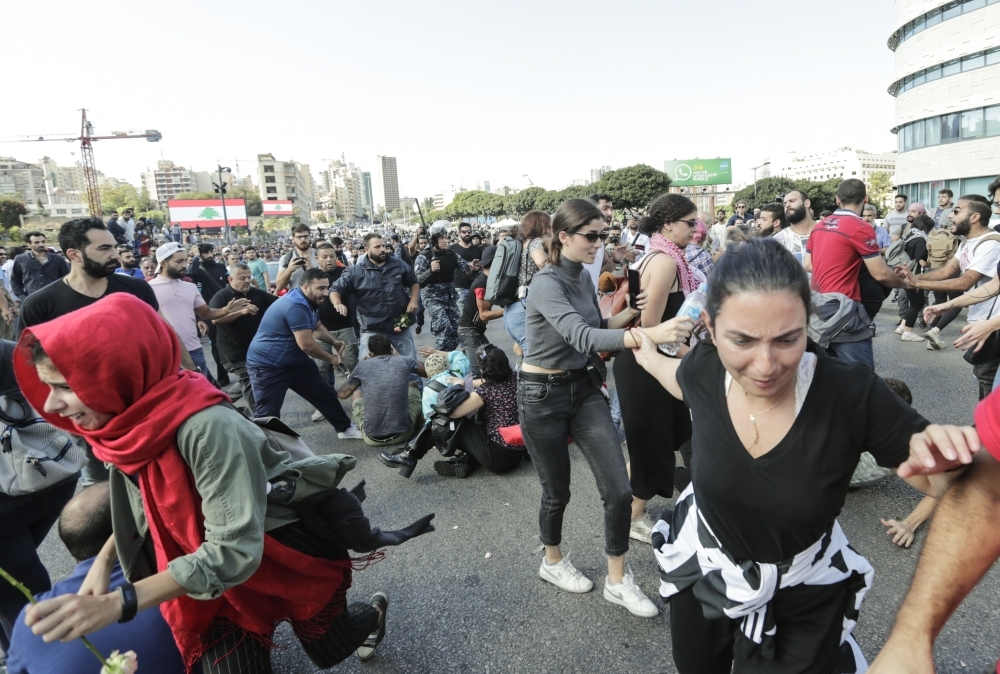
{"points": [[477, 312]]}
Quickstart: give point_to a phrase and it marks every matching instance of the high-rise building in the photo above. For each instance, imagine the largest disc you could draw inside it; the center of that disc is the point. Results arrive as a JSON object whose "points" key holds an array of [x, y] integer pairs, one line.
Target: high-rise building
{"points": [[286, 181], [343, 185], [170, 180], [844, 162], [385, 183], [598, 173], [486, 186], [946, 85], [24, 181], [366, 184]]}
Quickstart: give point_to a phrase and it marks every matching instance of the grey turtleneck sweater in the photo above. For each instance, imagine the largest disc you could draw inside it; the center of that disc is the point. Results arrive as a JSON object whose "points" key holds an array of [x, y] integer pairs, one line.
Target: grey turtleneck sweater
{"points": [[564, 324]]}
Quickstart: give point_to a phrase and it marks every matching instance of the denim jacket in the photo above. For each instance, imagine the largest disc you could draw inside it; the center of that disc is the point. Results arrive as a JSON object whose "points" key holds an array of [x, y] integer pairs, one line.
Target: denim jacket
{"points": [[382, 293]]}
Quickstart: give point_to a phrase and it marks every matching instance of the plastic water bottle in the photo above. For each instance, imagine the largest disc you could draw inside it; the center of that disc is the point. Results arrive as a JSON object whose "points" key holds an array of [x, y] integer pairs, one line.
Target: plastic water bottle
{"points": [[692, 307]]}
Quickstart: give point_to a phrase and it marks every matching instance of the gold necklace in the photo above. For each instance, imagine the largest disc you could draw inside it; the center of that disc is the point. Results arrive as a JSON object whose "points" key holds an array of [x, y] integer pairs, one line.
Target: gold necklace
{"points": [[753, 417]]}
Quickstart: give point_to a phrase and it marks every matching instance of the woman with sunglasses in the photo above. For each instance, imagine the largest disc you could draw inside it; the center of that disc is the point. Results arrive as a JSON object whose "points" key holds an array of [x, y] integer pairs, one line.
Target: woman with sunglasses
{"points": [[656, 423], [560, 397]]}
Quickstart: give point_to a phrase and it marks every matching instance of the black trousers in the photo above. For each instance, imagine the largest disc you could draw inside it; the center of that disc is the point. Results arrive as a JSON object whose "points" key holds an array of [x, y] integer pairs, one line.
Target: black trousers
{"points": [[24, 523], [221, 375], [235, 653], [809, 623], [656, 425], [940, 297], [491, 456]]}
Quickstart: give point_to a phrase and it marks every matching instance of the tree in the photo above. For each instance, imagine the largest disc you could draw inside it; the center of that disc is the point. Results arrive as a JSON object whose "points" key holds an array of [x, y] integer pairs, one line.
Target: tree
{"points": [[516, 205], [124, 196], [823, 195], [10, 211], [767, 189], [322, 218], [879, 188], [427, 204], [432, 216], [252, 198], [631, 188]]}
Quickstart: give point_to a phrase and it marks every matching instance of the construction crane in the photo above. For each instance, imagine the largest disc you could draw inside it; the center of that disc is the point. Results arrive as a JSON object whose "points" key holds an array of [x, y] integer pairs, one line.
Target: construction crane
{"points": [[86, 137]]}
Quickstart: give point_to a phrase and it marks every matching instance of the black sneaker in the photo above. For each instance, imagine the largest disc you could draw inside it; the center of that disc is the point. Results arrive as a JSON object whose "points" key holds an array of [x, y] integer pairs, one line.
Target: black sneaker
{"points": [[458, 466], [419, 329], [367, 650]]}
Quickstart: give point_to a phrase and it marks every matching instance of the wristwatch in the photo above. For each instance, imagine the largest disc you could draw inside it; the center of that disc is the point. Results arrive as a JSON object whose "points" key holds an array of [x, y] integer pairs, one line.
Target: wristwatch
{"points": [[130, 602]]}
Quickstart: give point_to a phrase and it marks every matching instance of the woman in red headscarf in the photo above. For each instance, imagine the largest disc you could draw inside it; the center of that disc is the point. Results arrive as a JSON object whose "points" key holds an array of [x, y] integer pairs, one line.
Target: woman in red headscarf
{"points": [[203, 505]]}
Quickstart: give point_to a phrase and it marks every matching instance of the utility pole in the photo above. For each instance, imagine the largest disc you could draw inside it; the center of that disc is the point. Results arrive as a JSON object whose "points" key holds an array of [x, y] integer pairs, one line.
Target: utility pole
{"points": [[221, 188]]}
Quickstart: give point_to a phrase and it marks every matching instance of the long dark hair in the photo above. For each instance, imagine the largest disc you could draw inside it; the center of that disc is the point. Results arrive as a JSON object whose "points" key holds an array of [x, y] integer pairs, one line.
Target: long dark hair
{"points": [[493, 364], [571, 216], [757, 265]]}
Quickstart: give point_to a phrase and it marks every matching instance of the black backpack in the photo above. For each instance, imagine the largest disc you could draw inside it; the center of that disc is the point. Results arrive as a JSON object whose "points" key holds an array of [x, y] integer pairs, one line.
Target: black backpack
{"points": [[444, 429], [502, 283]]}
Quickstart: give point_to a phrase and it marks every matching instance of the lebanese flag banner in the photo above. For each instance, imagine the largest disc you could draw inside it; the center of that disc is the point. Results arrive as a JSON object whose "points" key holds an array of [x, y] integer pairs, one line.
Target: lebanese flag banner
{"points": [[191, 213], [278, 207]]}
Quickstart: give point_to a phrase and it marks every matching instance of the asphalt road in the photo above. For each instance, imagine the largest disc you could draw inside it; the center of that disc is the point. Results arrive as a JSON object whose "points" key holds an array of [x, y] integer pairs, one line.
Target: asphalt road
{"points": [[467, 597]]}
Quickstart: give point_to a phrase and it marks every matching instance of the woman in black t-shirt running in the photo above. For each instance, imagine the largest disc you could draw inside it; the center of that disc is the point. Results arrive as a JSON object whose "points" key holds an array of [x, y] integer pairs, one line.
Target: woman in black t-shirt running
{"points": [[753, 560]]}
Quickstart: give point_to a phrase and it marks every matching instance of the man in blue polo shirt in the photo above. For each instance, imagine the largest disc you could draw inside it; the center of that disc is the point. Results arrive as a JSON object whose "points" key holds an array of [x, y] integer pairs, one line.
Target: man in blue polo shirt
{"points": [[85, 527], [280, 355]]}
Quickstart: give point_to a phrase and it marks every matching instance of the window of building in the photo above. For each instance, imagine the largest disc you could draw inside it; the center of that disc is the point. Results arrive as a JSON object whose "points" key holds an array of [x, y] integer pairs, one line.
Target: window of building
{"points": [[972, 124], [951, 10], [973, 61], [970, 5], [271, 190], [992, 121], [933, 73], [268, 169], [268, 179], [993, 56], [932, 134]]}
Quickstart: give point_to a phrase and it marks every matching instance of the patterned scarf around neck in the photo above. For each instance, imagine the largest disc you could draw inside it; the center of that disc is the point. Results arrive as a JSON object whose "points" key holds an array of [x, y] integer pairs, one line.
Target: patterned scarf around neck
{"points": [[688, 280]]}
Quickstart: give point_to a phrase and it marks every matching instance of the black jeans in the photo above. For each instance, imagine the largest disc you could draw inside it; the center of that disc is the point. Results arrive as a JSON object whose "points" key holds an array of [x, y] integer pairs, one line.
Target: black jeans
{"points": [[940, 297], [26, 521], [915, 306], [493, 457], [471, 340], [571, 406]]}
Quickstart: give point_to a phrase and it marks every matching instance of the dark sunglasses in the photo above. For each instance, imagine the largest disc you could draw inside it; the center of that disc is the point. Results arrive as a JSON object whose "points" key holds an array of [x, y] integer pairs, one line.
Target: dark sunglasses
{"points": [[594, 236], [690, 223]]}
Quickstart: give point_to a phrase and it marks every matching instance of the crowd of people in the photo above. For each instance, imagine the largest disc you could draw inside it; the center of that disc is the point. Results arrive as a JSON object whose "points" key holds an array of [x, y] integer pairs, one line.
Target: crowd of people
{"points": [[198, 500]]}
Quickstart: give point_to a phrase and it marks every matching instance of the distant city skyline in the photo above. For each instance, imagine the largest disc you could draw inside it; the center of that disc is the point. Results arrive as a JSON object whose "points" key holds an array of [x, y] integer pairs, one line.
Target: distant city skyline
{"points": [[452, 111]]}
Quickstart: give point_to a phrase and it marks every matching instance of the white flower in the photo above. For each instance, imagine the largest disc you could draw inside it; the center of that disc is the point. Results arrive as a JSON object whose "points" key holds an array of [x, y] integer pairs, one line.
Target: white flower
{"points": [[121, 663]]}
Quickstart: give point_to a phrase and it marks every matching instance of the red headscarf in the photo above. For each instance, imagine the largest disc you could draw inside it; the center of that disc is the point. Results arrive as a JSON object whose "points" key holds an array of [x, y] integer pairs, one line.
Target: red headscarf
{"points": [[122, 359]]}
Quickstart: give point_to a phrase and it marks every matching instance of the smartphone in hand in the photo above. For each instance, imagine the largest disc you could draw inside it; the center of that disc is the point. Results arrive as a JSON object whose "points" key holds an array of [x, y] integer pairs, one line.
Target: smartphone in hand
{"points": [[634, 280]]}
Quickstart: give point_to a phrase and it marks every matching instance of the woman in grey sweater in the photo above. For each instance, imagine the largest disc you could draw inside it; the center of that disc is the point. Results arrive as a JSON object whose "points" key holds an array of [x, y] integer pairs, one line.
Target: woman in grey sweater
{"points": [[559, 397]]}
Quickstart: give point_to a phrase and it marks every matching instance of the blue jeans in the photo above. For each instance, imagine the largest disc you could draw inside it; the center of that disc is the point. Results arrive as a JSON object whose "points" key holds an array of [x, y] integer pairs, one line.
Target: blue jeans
{"points": [[854, 352], [198, 356], [463, 294], [401, 341], [270, 384], [514, 316]]}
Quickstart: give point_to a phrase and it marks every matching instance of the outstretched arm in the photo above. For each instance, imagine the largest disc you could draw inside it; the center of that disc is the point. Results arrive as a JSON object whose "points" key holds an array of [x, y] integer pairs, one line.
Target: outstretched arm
{"points": [[663, 369]]}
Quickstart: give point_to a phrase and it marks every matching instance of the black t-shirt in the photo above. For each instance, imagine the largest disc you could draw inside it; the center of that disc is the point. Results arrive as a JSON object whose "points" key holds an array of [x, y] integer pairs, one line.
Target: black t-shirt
{"points": [[235, 337], [330, 317], [471, 309], [463, 280], [771, 508], [58, 299]]}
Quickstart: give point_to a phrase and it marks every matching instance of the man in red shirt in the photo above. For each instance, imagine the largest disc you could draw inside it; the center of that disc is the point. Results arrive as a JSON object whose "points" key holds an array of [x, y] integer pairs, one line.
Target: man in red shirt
{"points": [[837, 248]]}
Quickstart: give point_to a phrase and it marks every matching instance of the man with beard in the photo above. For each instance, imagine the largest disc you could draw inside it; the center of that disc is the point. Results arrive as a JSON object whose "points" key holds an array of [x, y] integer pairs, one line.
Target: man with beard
{"points": [[974, 264], [800, 223], [280, 355], [897, 217], [771, 220], [35, 269], [181, 305], [210, 276], [93, 258], [129, 267], [435, 272], [237, 329], [471, 254], [384, 288], [302, 256]]}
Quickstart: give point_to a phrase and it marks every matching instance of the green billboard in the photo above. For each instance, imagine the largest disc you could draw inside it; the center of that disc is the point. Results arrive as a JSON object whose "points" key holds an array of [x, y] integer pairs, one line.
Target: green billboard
{"points": [[691, 172]]}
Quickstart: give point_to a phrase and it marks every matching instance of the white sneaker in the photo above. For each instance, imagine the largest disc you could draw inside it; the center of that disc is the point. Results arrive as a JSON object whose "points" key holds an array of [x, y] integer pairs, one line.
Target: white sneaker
{"points": [[911, 337], [900, 328], [565, 576], [934, 339], [642, 529], [628, 594], [317, 416], [352, 433]]}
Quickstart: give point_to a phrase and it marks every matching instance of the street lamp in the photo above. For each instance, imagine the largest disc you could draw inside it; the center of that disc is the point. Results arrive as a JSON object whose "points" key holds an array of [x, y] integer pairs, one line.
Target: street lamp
{"points": [[220, 187], [755, 181]]}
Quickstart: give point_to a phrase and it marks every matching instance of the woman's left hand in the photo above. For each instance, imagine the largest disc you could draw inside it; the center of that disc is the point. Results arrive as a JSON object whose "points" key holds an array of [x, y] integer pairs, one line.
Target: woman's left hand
{"points": [[974, 334], [940, 448], [901, 532], [71, 616]]}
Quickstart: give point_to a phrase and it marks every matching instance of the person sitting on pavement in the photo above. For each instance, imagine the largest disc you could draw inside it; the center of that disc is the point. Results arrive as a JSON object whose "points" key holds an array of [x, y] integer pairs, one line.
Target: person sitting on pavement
{"points": [[237, 329], [280, 355], [392, 411], [477, 312], [84, 527], [225, 534], [494, 402], [444, 367]]}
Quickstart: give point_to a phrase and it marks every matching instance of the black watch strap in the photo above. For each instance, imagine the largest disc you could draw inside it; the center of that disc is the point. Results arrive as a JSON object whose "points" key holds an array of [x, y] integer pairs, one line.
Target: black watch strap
{"points": [[130, 602]]}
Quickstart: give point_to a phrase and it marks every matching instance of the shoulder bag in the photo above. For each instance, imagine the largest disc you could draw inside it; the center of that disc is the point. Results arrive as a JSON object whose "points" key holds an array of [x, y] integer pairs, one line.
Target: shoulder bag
{"points": [[34, 454]]}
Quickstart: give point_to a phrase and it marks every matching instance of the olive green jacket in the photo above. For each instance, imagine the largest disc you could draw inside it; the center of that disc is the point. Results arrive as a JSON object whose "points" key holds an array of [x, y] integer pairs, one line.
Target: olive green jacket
{"points": [[232, 462]]}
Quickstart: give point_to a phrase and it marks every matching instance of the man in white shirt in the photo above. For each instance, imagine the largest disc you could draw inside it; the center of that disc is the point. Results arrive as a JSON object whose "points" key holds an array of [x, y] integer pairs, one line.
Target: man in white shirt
{"points": [[974, 264], [127, 221], [800, 223], [898, 216]]}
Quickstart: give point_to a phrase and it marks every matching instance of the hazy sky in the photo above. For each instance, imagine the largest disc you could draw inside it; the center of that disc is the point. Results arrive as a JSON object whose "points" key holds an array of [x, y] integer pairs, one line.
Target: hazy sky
{"points": [[459, 92]]}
